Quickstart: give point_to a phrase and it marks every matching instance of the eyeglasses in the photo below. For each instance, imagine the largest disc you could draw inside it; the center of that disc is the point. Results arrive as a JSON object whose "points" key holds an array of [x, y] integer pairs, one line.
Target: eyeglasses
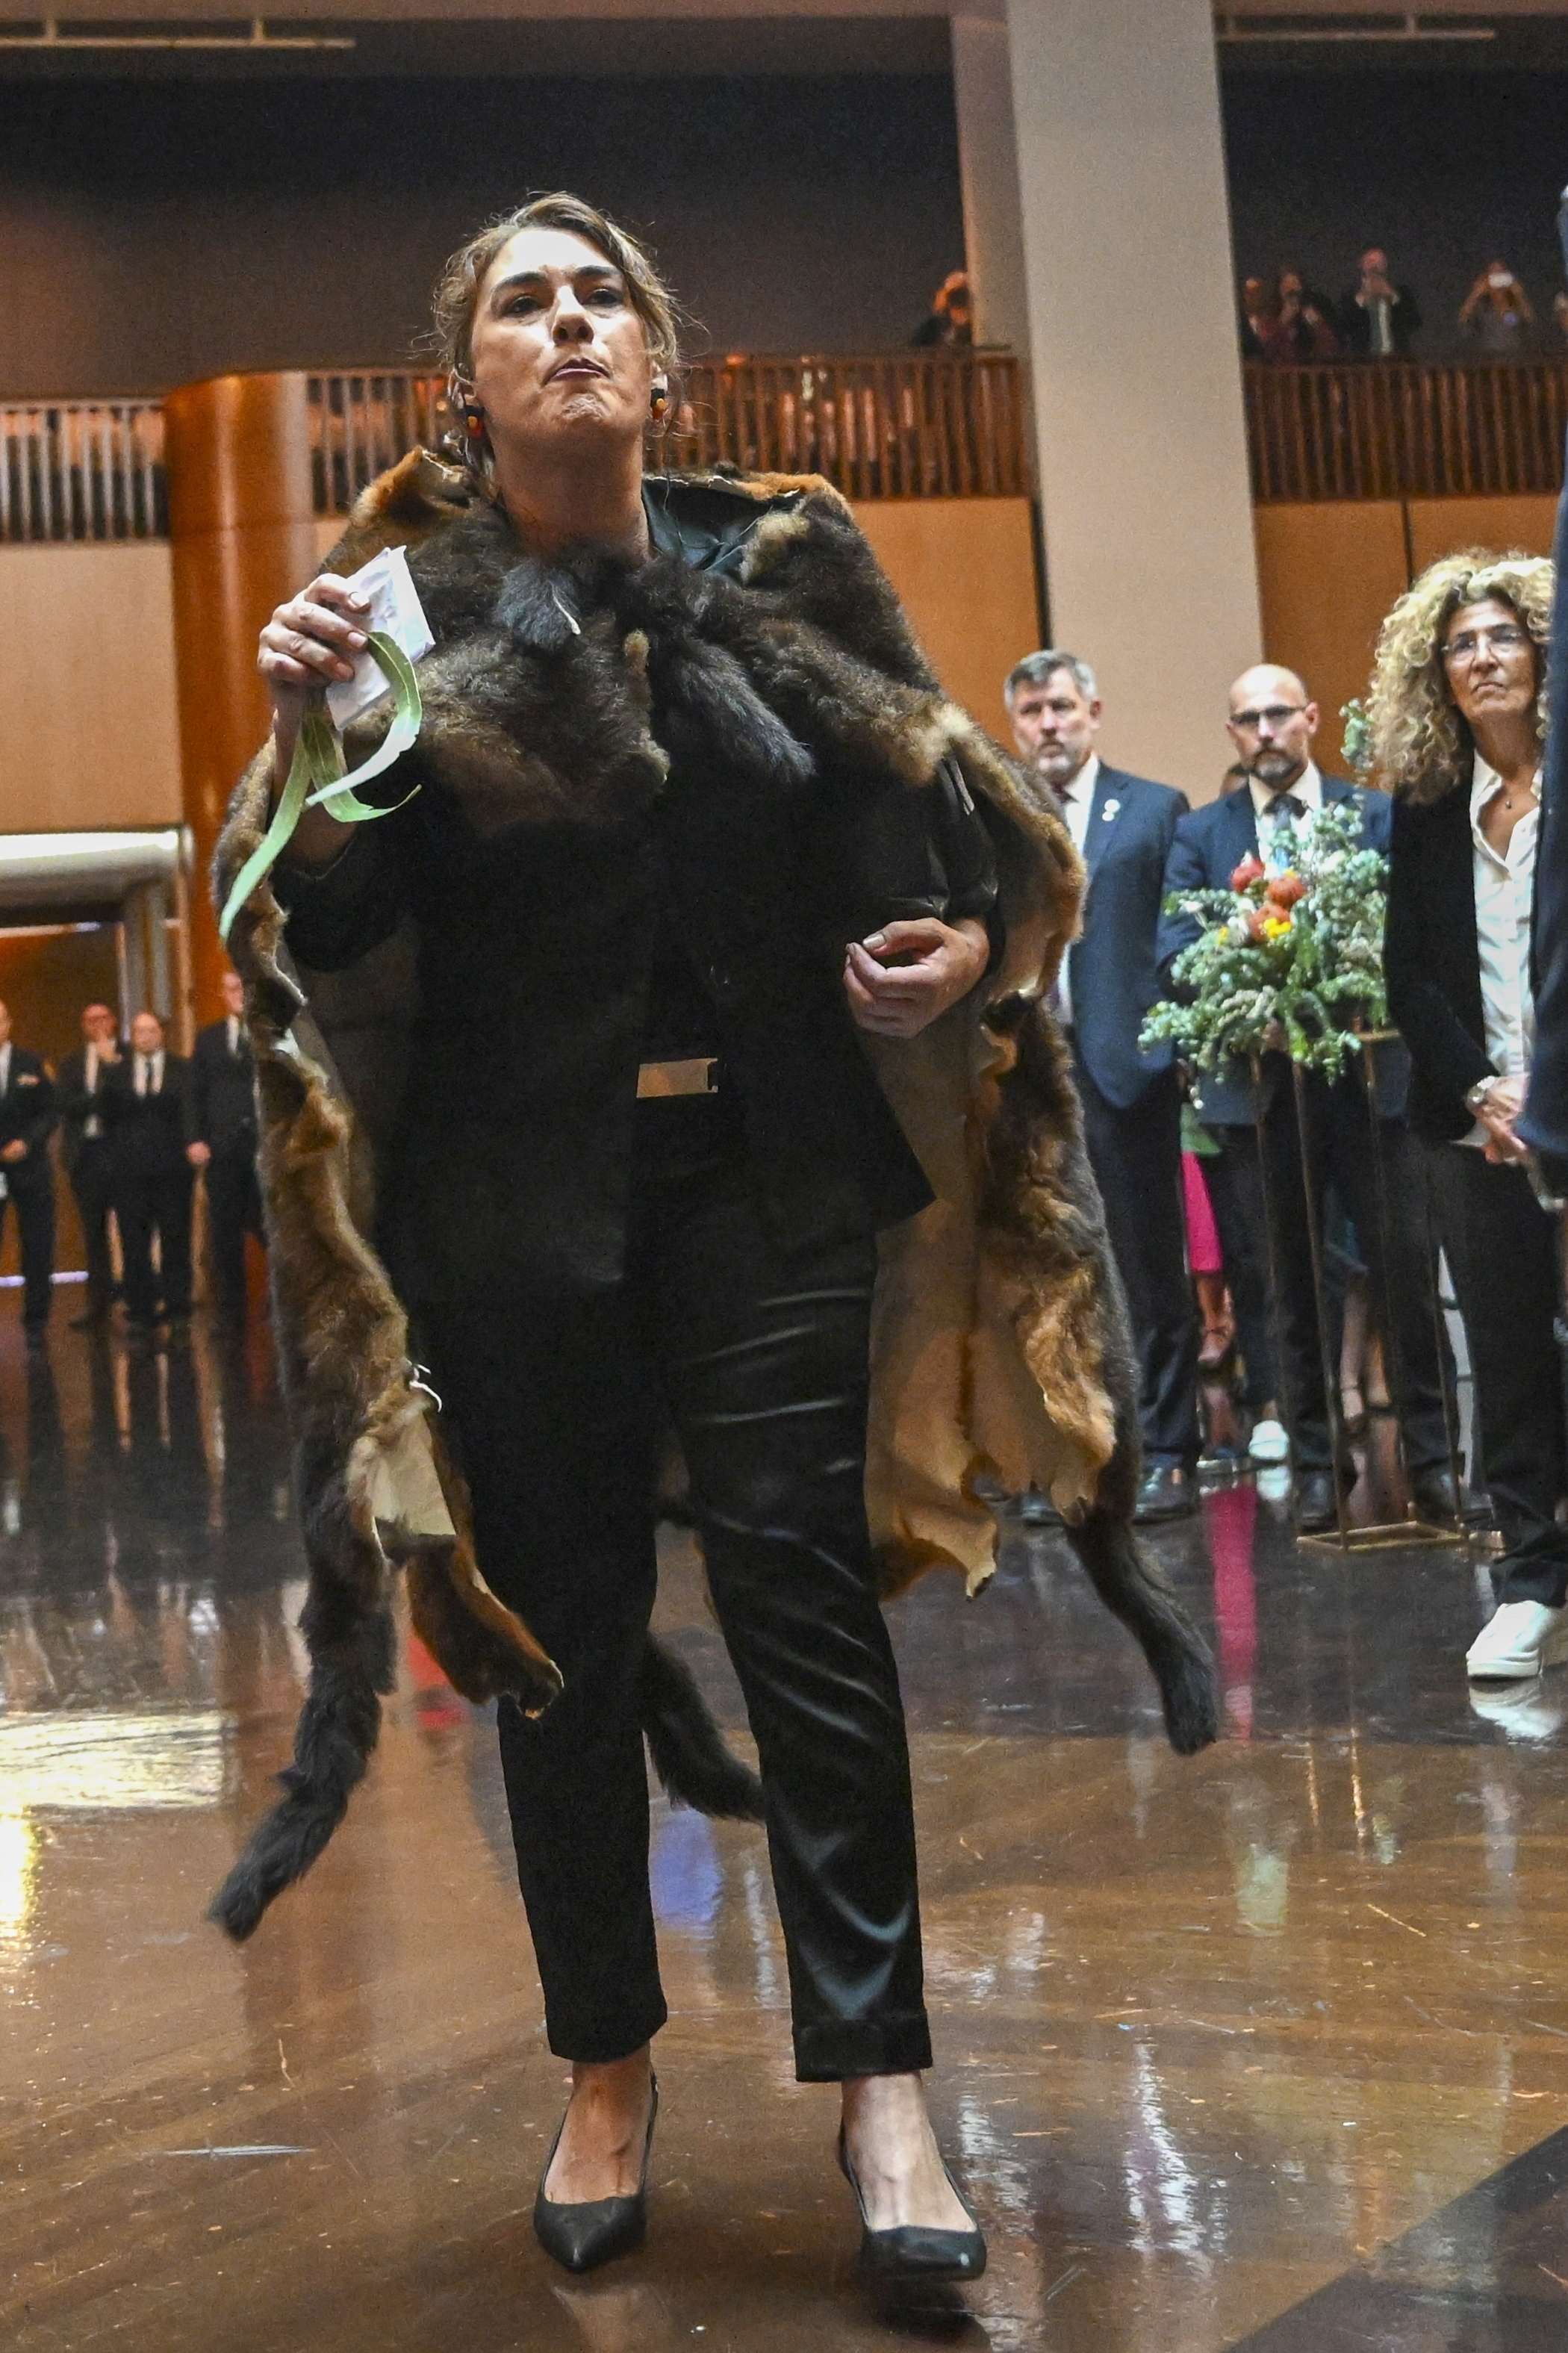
{"points": [[1504, 639], [1277, 714]]}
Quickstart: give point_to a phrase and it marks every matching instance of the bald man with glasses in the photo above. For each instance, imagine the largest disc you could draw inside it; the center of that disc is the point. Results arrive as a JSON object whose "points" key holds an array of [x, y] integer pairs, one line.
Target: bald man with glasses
{"points": [[1272, 724]]}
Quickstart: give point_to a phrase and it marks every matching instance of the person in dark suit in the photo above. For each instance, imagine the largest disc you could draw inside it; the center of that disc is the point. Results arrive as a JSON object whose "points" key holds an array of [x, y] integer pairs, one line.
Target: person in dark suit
{"points": [[1272, 724], [145, 1101], [26, 1121], [221, 1111], [1544, 1123], [1457, 723], [1123, 826], [84, 1148], [1378, 319]]}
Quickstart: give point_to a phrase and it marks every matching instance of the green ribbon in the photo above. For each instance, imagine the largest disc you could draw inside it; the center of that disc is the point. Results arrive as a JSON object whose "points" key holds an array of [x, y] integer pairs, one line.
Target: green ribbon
{"points": [[318, 763]]}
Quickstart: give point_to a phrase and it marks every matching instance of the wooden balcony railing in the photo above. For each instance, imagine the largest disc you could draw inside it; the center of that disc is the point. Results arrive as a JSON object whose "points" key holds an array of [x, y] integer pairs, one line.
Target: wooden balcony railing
{"points": [[905, 426], [1406, 428], [81, 470], [914, 426]]}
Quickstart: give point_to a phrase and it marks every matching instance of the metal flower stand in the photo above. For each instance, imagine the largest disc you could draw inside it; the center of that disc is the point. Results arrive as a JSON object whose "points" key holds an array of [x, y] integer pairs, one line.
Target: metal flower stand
{"points": [[1382, 1534]]}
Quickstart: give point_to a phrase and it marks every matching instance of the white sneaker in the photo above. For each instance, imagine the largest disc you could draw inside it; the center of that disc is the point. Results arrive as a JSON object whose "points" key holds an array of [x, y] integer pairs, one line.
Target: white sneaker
{"points": [[1269, 1443], [1520, 1638]]}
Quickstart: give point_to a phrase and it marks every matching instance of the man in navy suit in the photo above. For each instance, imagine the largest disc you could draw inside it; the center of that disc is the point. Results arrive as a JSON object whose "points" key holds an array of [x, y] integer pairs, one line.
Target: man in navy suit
{"points": [[1123, 826], [1272, 723]]}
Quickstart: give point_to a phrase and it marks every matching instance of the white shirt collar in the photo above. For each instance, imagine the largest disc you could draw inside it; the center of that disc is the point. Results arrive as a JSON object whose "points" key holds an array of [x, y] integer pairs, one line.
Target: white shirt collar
{"points": [[1081, 788]]}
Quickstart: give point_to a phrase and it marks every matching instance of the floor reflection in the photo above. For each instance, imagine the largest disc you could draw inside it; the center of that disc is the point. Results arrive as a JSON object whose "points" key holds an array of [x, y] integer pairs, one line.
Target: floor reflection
{"points": [[1224, 2047]]}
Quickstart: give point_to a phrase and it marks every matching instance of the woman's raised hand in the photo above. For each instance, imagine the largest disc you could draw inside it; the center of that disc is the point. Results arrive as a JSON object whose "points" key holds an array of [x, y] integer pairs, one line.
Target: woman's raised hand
{"points": [[899, 979], [312, 641]]}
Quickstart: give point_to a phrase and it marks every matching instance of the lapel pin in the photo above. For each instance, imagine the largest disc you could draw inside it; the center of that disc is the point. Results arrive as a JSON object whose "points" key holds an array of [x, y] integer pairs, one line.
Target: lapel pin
{"points": [[1111, 809]]}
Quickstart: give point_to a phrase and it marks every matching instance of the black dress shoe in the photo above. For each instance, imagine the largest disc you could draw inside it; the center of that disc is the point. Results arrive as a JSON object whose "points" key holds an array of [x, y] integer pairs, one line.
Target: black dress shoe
{"points": [[910, 2254], [596, 2230], [1435, 1495], [1168, 1492], [1316, 1503]]}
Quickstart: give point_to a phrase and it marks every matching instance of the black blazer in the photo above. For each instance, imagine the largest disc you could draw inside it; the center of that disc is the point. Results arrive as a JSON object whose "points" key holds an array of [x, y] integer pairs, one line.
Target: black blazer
{"points": [[147, 1134], [1112, 972], [1209, 845], [1545, 1121], [1433, 961], [221, 1103], [76, 1105], [27, 1115], [1355, 323]]}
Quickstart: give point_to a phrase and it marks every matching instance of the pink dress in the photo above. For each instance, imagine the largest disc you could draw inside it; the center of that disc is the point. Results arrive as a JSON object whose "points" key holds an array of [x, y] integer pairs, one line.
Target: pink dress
{"points": [[1204, 1253]]}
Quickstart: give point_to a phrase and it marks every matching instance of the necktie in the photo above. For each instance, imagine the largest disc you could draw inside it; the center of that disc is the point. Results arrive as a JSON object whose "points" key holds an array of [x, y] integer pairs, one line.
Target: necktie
{"points": [[1280, 819]]}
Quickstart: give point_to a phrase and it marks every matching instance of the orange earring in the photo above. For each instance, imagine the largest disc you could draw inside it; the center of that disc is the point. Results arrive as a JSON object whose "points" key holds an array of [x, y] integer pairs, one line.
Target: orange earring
{"points": [[659, 404]]}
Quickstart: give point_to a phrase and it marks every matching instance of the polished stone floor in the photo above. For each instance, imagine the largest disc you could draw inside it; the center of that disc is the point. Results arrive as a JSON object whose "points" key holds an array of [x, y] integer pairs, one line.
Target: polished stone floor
{"points": [[1266, 2049]]}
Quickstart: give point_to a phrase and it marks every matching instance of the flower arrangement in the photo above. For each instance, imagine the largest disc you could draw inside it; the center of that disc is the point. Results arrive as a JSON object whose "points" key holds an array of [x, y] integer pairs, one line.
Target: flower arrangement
{"points": [[1292, 958]]}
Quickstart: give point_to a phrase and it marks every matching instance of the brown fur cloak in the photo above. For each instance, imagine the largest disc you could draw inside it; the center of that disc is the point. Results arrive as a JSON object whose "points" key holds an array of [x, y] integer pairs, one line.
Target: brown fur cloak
{"points": [[1001, 1353]]}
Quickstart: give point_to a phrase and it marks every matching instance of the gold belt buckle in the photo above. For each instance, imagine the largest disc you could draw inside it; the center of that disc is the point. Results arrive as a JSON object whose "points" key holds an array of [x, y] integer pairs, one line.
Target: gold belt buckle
{"points": [[665, 1079]]}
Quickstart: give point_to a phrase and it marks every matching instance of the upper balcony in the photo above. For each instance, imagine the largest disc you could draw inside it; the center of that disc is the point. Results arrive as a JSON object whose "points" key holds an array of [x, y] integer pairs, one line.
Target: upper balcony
{"points": [[887, 426]]}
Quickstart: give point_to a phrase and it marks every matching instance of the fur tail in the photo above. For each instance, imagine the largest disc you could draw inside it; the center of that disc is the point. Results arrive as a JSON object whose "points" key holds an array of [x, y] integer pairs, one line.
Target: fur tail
{"points": [[1130, 1585], [337, 1731], [686, 1746]]}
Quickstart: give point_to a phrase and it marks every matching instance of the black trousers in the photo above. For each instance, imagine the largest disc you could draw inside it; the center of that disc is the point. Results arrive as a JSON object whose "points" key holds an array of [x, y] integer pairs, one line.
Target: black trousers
{"points": [[1502, 1249], [1340, 1146], [559, 1405], [145, 1205], [1136, 1157], [91, 1184], [234, 1210], [34, 1202]]}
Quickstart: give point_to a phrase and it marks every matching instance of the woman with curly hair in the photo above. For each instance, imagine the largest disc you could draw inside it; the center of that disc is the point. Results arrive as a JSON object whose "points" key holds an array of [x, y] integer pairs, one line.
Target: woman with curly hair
{"points": [[1458, 716]]}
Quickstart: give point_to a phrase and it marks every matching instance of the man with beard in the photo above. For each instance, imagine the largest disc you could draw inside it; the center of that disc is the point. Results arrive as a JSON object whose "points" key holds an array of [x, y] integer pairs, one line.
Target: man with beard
{"points": [[1272, 724], [1122, 827]]}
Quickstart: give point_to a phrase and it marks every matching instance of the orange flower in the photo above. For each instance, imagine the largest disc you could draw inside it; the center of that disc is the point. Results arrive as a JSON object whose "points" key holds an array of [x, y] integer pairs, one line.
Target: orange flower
{"points": [[1286, 889], [1250, 870]]}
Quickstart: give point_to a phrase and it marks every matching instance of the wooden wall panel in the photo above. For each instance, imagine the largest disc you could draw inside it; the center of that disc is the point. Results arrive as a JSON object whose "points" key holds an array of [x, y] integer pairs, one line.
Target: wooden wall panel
{"points": [[89, 718], [1443, 526], [1327, 575], [966, 570]]}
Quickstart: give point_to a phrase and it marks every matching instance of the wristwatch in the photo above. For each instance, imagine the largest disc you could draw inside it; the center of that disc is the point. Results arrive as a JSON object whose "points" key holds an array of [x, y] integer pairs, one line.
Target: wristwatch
{"points": [[1478, 1095]]}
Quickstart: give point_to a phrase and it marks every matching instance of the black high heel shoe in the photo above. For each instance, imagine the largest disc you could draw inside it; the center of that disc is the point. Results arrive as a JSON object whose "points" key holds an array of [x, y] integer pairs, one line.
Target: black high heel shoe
{"points": [[912, 2252], [596, 2230]]}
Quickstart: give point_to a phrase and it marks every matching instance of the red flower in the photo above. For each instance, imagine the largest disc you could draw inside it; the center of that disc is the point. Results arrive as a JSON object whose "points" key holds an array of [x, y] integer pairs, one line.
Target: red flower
{"points": [[1250, 870], [1254, 922], [1285, 888]]}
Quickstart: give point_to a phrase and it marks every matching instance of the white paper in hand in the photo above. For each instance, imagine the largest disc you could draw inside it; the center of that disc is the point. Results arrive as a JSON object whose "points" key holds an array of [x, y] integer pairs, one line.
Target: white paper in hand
{"points": [[395, 609]]}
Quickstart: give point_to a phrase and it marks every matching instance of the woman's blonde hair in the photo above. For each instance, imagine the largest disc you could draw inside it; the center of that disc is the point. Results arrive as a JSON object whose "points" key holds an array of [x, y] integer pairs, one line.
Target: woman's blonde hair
{"points": [[458, 288], [1421, 746]]}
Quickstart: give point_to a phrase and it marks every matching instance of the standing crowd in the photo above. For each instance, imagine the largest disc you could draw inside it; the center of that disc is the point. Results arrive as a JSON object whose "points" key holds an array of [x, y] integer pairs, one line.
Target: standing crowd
{"points": [[1415, 1143], [137, 1126]]}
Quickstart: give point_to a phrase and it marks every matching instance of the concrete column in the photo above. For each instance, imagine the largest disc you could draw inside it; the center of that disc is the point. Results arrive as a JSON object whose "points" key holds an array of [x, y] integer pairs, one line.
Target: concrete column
{"points": [[242, 531], [1137, 378], [988, 170]]}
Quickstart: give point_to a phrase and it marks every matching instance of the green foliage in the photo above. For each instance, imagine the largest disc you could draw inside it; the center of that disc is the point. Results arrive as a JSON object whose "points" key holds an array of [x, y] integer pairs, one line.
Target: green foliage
{"points": [[1293, 958]]}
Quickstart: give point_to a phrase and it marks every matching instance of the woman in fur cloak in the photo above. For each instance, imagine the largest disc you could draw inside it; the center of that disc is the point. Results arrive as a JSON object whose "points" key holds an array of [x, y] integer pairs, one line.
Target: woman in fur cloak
{"points": [[636, 1141]]}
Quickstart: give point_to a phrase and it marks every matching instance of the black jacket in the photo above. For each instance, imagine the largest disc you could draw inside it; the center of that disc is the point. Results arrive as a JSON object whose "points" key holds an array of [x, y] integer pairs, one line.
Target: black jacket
{"points": [[147, 1134], [1355, 323], [1433, 961], [27, 1115], [510, 1156], [76, 1105], [221, 1098], [1545, 1121], [1110, 970]]}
